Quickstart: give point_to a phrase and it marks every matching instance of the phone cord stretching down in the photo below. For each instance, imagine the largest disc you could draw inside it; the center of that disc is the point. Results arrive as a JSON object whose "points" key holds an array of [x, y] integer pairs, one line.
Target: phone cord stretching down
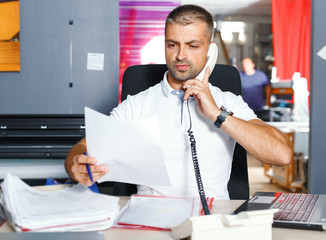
{"points": [[196, 167]]}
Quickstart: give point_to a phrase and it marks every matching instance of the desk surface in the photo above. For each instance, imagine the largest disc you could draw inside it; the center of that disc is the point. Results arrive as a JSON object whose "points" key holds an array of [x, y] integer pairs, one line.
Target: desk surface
{"points": [[219, 207]]}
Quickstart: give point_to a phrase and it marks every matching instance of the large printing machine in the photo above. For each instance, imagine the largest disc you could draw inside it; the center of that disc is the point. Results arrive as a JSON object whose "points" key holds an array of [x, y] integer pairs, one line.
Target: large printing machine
{"points": [[34, 147]]}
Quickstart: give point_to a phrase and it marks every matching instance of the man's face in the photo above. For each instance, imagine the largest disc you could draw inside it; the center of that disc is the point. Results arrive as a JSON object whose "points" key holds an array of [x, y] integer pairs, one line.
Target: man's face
{"points": [[247, 65], [186, 49]]}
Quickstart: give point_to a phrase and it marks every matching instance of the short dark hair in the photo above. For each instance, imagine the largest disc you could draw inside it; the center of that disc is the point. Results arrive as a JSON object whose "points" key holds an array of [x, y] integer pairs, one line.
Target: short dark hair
{"points": [[188, 14]]}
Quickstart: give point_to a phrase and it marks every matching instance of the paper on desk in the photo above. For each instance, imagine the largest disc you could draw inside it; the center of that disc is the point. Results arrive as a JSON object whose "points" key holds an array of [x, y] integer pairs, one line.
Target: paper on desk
{"points": [[158, 212], [130, 149]]}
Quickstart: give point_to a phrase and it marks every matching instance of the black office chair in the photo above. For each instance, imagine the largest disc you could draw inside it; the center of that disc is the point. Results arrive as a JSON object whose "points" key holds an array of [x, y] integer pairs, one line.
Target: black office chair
{"points": [[227, 78]]}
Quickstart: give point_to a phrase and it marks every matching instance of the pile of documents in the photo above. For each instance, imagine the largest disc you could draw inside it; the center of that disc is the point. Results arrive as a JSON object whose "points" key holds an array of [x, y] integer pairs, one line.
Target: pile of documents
{"points": [[73, 208]]}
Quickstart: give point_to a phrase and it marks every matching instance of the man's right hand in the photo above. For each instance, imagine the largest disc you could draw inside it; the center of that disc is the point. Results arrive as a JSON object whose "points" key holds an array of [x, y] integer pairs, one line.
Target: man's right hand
{"points": [[79, 170]]}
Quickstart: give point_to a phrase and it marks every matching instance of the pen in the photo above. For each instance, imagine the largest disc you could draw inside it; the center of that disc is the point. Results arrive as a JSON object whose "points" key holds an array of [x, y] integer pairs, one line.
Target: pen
{"points": [[89, 170]]}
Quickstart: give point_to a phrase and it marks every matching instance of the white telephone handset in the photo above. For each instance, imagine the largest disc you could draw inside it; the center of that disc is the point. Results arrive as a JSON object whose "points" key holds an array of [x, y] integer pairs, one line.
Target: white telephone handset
{"points": [[211, 60]]}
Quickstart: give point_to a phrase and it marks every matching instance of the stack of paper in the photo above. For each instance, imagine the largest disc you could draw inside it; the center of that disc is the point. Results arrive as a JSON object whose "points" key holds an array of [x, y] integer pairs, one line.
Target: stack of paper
{"points": [[69, 209], [159, 212]]}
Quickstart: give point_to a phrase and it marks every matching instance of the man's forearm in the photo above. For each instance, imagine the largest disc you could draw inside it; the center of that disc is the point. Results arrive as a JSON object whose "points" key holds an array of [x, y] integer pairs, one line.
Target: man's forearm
{"points": [[268, 92], [263, 141]]}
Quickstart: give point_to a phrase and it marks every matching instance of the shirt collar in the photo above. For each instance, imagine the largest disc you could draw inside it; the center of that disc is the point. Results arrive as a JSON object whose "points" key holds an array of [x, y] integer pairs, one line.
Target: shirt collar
{"points": [[167, 89]]}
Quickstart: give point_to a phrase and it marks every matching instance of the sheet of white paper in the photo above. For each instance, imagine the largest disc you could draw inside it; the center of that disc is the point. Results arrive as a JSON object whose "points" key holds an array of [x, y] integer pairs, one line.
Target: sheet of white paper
{"points": [[159, 212], [130, 149], [95, 61], [322, 53]]}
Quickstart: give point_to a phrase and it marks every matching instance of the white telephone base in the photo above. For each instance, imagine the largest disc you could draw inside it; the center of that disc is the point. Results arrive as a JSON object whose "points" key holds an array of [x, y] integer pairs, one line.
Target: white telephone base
{"points": [[245, 226]]}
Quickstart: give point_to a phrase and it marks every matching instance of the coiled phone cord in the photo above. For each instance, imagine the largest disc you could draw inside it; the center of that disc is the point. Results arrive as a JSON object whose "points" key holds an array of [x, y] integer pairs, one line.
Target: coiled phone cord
{"points": [[196, 166]]}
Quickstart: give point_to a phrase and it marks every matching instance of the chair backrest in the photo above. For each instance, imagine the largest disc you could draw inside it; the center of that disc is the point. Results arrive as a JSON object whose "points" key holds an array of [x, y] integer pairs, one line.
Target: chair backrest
{"points": [[227, 78]]}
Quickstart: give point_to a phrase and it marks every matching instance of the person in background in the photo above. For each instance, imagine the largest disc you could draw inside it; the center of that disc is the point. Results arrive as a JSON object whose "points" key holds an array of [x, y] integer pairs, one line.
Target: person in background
{"points": [[255, 88]]}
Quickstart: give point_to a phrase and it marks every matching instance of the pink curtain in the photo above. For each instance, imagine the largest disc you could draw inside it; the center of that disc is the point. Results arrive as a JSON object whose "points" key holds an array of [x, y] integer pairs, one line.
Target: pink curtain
{"points": [[291, 37]]}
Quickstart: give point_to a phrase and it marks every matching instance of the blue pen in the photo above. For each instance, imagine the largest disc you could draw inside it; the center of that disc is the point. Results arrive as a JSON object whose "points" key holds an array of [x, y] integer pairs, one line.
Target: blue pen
{"points": [[89, 170]]}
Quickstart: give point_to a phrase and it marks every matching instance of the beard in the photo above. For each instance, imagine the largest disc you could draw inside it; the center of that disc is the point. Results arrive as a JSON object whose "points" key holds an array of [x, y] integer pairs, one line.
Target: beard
{"points": [[190, 73]]}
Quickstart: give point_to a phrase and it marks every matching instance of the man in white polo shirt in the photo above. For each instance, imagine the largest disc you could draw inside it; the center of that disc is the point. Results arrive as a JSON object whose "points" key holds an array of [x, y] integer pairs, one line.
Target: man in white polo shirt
{"points": [[188, 34]]}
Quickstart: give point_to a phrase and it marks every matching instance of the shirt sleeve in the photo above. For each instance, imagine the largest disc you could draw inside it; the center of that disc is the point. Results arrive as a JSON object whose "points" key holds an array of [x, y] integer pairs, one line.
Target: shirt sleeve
{"points": [[241, 109], [125, 110], [266, 80]]}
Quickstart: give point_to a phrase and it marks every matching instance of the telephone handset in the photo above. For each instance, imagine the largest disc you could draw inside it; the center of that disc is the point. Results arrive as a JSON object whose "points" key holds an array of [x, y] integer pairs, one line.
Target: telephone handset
{"points": [[211, 61]]}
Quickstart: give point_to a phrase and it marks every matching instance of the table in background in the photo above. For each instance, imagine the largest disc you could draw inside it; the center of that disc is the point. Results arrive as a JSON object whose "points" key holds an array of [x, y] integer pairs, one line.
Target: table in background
{"points": [[293, 175]]}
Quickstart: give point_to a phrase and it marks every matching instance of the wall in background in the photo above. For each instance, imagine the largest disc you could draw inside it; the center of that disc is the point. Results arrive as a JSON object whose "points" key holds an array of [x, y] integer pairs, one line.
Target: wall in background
{"points": [[58, 42], [317, 150]]}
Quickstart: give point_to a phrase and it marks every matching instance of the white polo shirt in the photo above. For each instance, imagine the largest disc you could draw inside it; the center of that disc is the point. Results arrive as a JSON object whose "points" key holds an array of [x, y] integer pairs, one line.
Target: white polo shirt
{"points": [[214, 146]]}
